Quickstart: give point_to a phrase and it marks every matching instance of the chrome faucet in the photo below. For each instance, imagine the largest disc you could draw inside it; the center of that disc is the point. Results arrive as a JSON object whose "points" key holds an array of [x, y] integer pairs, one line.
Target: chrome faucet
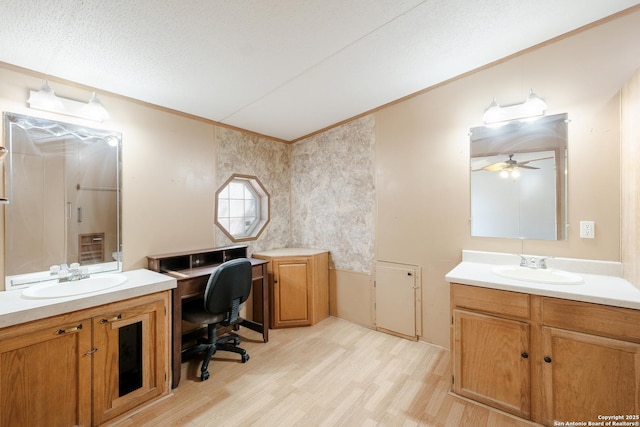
{"points": [[69, 273], [542, 263], [533, 262]]}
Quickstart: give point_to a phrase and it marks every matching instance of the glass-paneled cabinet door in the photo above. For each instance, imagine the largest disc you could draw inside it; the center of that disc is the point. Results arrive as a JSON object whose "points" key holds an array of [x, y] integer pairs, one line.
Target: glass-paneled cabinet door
{"points": [[129, 359]]}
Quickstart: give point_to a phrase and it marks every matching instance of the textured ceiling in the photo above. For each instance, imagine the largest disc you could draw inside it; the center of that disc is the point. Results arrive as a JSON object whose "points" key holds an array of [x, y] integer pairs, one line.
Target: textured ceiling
{"points": [[282, 68]]}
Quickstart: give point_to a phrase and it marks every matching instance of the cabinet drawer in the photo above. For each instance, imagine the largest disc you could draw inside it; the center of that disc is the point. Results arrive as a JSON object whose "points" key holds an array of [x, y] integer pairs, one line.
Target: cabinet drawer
{"points": [[193, 287], [492, 301], [256, 272], [597, 319]]}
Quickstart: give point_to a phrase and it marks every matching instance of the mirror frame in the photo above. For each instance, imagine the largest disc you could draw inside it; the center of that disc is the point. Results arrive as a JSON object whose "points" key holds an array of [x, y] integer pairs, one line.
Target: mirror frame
{"points": [[58, 129], [546, 133]]}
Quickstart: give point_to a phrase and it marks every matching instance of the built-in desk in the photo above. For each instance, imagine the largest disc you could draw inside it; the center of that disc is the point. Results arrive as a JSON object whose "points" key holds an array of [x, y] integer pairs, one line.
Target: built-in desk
{"points": [[192, 269]]}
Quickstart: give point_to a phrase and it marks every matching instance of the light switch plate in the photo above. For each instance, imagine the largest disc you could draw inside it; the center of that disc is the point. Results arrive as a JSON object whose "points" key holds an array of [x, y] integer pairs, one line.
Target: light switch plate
{"points": [[587, 230]]}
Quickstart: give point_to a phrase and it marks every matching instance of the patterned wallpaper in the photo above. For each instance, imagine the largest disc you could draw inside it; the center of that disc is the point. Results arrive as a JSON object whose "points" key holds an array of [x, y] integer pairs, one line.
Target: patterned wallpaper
{"points": [[322, 189], [270, 161], [333, 194]]}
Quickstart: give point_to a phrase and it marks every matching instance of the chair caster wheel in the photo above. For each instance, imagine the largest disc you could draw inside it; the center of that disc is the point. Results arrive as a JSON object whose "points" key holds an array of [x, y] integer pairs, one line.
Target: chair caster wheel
{"points": [[204, 376], [245, 357]]}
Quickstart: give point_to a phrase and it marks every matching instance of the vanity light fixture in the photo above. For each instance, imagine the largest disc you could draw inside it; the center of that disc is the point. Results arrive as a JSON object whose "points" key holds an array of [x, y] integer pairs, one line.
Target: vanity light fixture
{"points": [[46, 100], [531, 108]]}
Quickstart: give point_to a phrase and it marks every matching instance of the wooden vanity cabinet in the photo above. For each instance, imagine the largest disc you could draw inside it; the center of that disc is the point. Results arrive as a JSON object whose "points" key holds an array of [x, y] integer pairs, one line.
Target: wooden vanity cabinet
{"points": [[590, 360], [131, 358], [292, 292], [45, 373], [64, 370], [298, 286], [490, 351], [579, 360]]}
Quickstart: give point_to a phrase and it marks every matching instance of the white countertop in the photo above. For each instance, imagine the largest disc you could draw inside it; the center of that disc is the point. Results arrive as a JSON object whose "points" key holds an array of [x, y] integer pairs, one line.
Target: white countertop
{"points": [[290, 252], [16, 309], [597, 288]]}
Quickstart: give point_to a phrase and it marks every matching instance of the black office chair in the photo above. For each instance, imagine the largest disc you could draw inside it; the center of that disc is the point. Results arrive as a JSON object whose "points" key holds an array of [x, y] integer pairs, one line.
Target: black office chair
{"points": [[227, 288]]}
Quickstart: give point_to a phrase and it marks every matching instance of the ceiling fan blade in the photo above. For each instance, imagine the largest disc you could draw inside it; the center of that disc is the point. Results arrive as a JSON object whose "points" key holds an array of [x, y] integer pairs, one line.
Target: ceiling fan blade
{"points": [[495, 167], [527, 167], [520, 164]]}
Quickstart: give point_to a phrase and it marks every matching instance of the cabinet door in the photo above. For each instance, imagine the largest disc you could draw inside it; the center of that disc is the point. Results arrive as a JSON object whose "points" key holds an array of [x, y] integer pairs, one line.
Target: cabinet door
{"points": [[291, 287], [584, 376], [491, 361], [45, 377], [129, 364]]}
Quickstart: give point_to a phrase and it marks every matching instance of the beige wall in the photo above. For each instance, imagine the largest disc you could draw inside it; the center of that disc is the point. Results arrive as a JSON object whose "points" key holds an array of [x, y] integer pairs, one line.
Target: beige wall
{"points": [[351, 296], [168, 181], [423, 158], [630, 166]]}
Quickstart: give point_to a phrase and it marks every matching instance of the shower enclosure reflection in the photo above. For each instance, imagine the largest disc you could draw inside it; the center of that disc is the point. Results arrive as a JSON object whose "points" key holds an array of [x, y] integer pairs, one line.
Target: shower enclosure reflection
{"points": [[63, 186]]}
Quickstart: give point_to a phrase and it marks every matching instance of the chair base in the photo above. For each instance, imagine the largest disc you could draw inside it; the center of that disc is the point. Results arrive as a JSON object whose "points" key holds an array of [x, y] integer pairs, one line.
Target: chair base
{"points": [[211, 345]]}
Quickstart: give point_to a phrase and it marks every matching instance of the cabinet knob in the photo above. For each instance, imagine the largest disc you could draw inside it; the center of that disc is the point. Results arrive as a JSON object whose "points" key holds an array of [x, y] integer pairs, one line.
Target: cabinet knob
{"points": [[524, 355], [547, 359]]}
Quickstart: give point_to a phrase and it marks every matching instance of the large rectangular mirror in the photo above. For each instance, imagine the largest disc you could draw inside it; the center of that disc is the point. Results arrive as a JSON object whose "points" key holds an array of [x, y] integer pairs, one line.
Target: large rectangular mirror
{"points": [[519, 179], [63, 185]]}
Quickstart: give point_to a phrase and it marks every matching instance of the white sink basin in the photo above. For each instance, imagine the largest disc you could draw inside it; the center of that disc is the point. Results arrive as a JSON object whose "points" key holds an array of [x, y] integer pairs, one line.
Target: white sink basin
{"points": [[540, 275], [96, 283]]}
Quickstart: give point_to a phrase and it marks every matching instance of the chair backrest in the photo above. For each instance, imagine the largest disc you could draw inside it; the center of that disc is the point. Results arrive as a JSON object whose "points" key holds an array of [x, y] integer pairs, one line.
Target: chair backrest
{"points": [[228, 286]]}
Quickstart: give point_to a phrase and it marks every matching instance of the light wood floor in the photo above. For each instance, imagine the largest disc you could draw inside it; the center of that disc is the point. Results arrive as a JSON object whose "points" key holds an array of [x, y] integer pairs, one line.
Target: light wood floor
{"points": [[335, 373]]}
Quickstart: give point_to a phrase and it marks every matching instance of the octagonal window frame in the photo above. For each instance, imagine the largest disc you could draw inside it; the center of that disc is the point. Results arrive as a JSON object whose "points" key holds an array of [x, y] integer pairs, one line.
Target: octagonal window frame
{"points": [[253, 185]]}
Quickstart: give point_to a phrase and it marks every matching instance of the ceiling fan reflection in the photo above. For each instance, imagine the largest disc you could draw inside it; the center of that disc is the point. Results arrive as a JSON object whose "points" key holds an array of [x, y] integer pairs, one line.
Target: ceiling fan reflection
{"points": [[510, 165]]}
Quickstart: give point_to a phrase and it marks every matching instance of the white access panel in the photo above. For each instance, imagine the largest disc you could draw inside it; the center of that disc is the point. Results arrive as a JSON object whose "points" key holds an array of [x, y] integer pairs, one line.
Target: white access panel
{"points": [[397, 293]]}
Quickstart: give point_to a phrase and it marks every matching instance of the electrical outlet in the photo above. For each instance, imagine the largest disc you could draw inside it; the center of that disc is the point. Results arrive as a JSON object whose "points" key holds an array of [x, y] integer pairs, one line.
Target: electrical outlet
{"points": [[587, 230]]}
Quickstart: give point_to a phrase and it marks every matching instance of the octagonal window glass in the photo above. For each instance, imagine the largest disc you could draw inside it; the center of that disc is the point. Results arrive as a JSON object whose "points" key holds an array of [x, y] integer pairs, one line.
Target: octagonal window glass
{"points": [[242, 208]]}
